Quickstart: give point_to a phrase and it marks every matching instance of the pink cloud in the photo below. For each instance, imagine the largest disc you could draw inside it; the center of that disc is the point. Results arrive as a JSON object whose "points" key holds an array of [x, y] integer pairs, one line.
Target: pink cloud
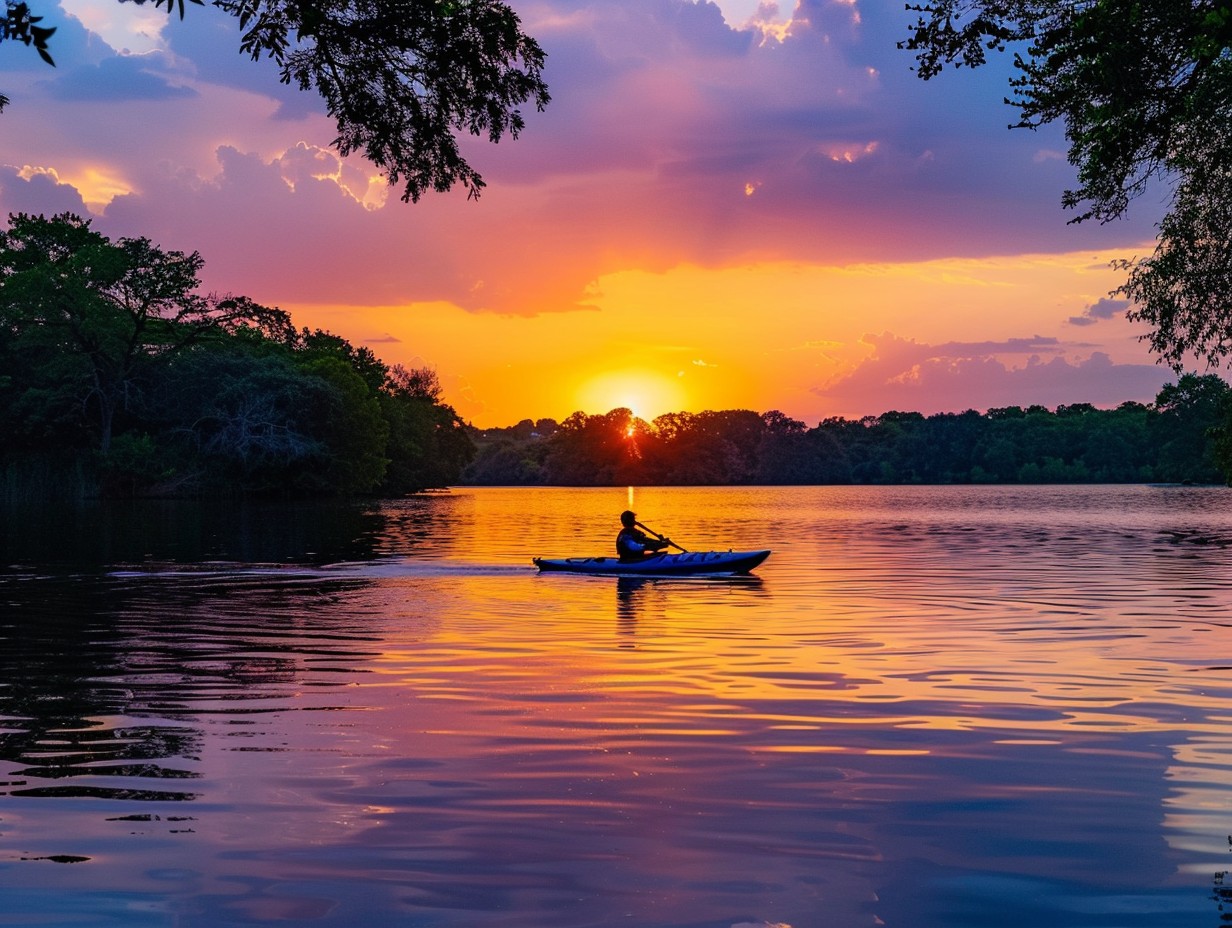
{"points": [[904, 374], [39, 193]]}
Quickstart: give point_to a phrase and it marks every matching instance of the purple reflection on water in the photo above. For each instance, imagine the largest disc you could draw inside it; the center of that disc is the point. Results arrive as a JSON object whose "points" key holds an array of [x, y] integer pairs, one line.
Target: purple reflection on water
{"points": [[932, 707]]}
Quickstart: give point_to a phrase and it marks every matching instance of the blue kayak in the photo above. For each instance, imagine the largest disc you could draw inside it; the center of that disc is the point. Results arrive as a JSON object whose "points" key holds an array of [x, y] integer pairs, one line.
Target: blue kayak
{"points": [[689, 564]]}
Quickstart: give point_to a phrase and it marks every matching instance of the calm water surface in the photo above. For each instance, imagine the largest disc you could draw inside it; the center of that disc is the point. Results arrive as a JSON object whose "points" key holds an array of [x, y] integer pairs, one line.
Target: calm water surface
{"points": [[933, 707]]}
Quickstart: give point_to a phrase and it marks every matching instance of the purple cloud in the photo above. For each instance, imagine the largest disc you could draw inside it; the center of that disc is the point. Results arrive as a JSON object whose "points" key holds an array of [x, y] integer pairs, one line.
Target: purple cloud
{"points": [[71, 44], [116, 79], [1103, 308], [672, 139], [210, 40], [907, 375], [37, 194]]}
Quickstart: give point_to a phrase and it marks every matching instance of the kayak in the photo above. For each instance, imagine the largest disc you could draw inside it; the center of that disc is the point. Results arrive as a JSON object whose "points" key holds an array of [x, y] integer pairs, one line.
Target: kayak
{"points": [[690, 564]]}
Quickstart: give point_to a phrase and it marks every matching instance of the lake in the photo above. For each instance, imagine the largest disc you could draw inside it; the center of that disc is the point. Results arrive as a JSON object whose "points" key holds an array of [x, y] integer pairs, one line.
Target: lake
{"points": [[931, 707]]}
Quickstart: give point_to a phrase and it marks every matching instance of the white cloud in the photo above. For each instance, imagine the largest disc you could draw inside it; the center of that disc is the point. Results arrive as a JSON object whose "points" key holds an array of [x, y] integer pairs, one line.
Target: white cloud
{"points": [[123, 26]]}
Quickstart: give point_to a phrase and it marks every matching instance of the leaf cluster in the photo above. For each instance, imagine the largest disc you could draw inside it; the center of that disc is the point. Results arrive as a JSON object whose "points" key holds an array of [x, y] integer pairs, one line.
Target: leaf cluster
{"points": [[115, 363], [19, 25], [1144, 90], [401, 78]]}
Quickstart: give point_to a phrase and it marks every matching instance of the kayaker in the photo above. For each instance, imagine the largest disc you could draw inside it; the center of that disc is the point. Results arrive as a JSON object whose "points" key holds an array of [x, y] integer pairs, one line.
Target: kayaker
{"points": [[633, 544]]}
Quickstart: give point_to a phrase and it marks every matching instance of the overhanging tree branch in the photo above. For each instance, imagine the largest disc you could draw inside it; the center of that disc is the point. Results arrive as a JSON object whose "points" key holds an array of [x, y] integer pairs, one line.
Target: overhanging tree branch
{"points": [[401, 78], [1144, 90]]}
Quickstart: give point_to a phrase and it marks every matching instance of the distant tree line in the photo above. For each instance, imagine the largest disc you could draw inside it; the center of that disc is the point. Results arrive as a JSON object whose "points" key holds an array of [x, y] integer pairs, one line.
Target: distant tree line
{"points": [[1182, 437], [118, 378]]}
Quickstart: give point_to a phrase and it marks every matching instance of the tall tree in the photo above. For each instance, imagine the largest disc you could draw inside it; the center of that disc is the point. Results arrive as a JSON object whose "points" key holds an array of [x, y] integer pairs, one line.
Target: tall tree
{"points": [[1144, 90], [102, 312], [400, 77], [1188, 412], [428, 445]]}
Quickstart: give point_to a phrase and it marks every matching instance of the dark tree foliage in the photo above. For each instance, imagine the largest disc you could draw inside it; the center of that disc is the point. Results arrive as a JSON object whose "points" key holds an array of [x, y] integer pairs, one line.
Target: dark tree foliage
{"points": [[237, 416], [20, 25], [603, 450], [1144, 90], [401, 78], [428, 443], [1182, 437], [102, 314], [114, 369]]}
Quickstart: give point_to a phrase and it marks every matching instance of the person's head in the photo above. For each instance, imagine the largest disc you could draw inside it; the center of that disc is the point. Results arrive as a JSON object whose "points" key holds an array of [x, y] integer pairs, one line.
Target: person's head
{"points": [[628, 519]]}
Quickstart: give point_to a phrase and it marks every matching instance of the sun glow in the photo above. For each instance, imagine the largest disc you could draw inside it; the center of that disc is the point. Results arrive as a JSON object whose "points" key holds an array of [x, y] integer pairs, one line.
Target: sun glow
{"points": [[98, 186], [646, 394]]}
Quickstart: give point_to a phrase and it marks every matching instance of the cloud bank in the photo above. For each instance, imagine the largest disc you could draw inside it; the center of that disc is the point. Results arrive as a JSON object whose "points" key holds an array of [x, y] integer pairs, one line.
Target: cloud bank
{"points": [[904, 375], [675, 139]]}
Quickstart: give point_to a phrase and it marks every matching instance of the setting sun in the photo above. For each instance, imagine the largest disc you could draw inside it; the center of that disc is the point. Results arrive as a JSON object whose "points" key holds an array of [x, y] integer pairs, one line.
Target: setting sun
{"points": [[645, 393]]}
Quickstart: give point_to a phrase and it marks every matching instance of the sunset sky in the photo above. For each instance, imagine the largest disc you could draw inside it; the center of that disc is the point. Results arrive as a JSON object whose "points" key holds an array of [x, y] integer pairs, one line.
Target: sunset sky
{"points": [[725, 206]]}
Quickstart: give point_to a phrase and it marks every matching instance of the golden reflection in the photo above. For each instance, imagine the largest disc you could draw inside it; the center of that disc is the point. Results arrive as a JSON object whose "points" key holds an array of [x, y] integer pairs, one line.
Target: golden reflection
{"points": [[897, 631], [875, 631]]}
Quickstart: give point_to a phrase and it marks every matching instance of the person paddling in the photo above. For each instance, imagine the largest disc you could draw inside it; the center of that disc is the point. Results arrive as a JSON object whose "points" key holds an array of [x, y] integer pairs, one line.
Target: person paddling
{"points": [[633, 544]]}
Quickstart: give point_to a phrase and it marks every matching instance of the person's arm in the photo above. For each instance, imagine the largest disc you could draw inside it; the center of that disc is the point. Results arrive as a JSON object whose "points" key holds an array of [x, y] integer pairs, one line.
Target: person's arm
{"points": [[656, 544]]}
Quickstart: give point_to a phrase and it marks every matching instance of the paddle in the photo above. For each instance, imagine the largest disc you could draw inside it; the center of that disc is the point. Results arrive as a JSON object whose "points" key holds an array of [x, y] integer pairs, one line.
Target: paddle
{"points": [[660, 537]]}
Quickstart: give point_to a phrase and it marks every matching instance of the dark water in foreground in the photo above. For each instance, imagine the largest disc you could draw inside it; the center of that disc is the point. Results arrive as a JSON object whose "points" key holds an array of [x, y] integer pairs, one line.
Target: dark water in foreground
{"points": [[934, 707]]}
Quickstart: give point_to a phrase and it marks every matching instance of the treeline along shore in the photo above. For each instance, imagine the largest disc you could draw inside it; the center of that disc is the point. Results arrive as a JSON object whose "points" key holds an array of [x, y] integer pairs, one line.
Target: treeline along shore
{"points": [[119, 378], [1183, 437]]}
